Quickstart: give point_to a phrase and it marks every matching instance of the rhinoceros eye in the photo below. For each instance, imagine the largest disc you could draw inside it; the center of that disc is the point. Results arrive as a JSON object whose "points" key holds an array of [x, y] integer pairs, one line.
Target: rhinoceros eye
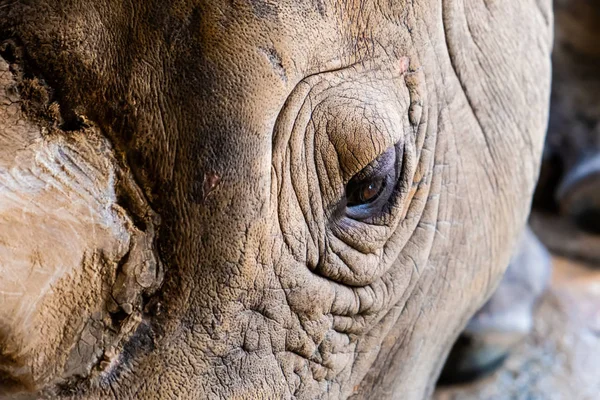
{"points": [[369, 190], [366, 192]]}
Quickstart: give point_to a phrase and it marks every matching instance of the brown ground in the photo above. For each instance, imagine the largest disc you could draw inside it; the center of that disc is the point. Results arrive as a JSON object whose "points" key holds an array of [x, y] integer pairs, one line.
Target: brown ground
{"points": [[561, 358]]}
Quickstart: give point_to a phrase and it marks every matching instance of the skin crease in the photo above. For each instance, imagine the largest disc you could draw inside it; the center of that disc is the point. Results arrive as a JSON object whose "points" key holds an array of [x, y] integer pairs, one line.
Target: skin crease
{"points": [[566, 196], [233, 128], [563, 216]]}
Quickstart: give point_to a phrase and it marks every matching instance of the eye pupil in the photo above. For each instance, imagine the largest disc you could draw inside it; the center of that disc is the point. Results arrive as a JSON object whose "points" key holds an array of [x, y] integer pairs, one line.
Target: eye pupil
{"points": [[369, 192]]}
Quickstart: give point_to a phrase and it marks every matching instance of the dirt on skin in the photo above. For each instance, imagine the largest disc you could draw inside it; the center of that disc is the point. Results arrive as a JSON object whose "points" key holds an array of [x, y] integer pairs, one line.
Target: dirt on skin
{"points": [[561, 358]]}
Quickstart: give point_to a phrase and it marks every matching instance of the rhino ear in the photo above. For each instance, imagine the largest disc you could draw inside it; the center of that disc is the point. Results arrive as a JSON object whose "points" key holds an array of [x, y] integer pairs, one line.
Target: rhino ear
{"points": [[77, 252]]}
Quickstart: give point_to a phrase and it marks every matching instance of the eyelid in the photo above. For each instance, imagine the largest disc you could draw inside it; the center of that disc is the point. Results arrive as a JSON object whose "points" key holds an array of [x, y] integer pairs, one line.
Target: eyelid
{"points": [[379, 167]]}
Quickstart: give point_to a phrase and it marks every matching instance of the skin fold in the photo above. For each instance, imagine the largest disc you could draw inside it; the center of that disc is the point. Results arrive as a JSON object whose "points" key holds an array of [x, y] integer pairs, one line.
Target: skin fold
{"points": [[566, 202], [180, 176]]}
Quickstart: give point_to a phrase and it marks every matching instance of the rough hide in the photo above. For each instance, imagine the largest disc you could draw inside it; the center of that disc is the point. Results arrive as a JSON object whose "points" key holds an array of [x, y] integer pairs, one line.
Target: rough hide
{"points": [[74, 262], [218, 142]]}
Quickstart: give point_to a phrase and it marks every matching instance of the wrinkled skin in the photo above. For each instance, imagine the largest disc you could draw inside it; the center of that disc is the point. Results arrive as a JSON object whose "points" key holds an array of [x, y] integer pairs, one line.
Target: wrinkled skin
{"points": [[566, 204], [177, 175]]}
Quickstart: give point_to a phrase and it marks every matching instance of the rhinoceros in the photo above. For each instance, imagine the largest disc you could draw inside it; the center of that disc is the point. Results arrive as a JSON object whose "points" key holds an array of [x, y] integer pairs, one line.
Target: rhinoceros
{"points": [[258, 199]]}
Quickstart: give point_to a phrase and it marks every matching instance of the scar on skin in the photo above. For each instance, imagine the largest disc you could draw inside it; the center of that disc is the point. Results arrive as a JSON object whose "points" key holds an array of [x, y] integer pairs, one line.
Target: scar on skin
{"points": [[276, 61], [210, 182]]}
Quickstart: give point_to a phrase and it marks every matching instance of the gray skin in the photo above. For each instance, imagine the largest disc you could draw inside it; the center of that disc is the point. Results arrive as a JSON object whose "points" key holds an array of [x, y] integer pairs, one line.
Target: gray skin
{"points": [[180, 181], [567, 199], [506, 319]]}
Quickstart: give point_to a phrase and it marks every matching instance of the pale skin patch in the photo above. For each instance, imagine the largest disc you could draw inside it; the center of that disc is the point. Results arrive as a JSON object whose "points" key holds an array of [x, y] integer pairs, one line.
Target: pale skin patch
{"points": [[62, 235]]}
